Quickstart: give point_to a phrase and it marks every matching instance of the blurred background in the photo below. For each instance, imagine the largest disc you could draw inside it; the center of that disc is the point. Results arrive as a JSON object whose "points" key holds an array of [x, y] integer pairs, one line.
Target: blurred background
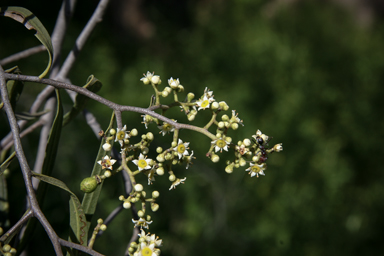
{"points": [[308, 73]]}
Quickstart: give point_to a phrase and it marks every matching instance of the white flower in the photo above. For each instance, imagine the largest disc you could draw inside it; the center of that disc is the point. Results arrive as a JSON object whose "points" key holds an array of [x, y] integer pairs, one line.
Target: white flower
{"points": [[142, 223], [147, 250], [173, 83], [181, 148], [142, 163], [260, 138], [151, 176], [188, 159], [166, 128], [220, 144], [208, 93], [106, 163], [256, 169], [278, 147], [203, 103], [235, 119], [177, 182], [150, 78], [121, 135]]}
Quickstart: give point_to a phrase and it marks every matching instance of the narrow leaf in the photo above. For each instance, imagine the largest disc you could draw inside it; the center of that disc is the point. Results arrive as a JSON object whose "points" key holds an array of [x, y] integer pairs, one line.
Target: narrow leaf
{"points": [[30, 21], [78, 220], [90, 199]]}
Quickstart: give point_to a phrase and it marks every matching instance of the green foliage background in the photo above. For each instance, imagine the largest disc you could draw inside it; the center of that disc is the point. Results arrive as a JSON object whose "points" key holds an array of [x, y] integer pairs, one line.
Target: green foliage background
{"points": [[308, 75]]}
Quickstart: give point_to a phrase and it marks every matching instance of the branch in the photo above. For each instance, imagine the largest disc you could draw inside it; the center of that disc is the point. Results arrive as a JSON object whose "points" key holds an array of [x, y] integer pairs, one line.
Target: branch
{"points": [[108, 103], [18, 225], [22, 54], [80, 42], [26, 171], [79, 247]]}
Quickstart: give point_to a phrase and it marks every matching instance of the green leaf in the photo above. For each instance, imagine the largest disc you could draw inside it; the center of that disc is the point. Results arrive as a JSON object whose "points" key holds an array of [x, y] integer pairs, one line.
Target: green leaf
{"points": [[30, 21], [77, 216], [90, 199], [93, 85]]}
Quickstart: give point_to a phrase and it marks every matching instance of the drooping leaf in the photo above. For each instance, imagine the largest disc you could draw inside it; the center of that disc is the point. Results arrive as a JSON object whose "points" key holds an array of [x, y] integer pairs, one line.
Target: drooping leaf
{"points": [[29, 116], [93, 85], [77, 217], [30, 21]]}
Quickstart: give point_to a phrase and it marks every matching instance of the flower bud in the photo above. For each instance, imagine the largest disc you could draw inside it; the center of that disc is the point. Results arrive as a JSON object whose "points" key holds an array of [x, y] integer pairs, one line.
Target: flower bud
{"points": [[103, 227], [172, 177], [155, 194], [247, 142], [215, 105], [190, 96], [215, 158], [140, 213], [154, 207], [107, 146], [139, 187], [225, 118], [234, 126], [112, 131], [164, 93], [229, 168], [156, 80], [134, 132], [160, 171]]}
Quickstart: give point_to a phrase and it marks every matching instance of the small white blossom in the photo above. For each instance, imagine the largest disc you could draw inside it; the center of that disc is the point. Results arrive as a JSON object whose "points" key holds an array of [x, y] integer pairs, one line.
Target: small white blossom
{"points": [[177, 182], [142, 163], [166, 128], [181, 148], [121, 135], [106, 163], [256, 169], [142, 223], [220, 144]]}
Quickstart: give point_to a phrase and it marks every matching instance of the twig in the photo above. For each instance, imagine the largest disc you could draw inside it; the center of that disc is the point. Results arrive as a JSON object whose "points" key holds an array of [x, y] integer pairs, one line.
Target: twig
{"points": [[80, 41], [26, 171], [31, 128], [79, 247], [21, 55], [18, 225]]}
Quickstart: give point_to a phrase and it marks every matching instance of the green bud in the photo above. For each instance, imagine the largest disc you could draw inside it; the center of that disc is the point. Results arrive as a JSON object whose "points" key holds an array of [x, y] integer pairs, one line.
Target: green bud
{"points": [[225, 118], [234, 126], [7, 248], [88, 185], [103, 227], [160, 158], [190, 96], [112, 131], [140, 213], [159, 150], [164, 93], [229, 168], [215, 158]]}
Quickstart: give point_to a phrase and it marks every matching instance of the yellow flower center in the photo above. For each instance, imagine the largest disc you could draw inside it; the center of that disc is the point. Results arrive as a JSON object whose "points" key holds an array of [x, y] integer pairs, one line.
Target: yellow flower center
{"points": [[255, 168], [167, 127], [205, 103], [221, 143], [120, 135], [181, 148], [146, 251], [142, 163]]}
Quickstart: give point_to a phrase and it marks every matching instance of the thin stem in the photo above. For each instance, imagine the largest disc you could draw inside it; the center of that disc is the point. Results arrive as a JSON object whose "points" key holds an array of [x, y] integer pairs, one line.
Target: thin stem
{"points": [[19, 224], [23, 54]]}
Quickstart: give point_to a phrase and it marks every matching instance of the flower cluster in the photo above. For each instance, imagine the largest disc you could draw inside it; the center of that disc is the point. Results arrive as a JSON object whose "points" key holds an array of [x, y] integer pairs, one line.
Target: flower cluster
{"points": [[252, 152]]}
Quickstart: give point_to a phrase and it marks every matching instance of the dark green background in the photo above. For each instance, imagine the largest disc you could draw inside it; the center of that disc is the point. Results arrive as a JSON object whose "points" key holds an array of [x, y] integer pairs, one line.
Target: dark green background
{"points": [[308, 74]]}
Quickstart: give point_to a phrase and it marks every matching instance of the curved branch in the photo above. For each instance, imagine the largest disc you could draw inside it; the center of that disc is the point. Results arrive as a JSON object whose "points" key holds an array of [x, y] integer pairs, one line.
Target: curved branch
{"points": [[108, 103]]}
